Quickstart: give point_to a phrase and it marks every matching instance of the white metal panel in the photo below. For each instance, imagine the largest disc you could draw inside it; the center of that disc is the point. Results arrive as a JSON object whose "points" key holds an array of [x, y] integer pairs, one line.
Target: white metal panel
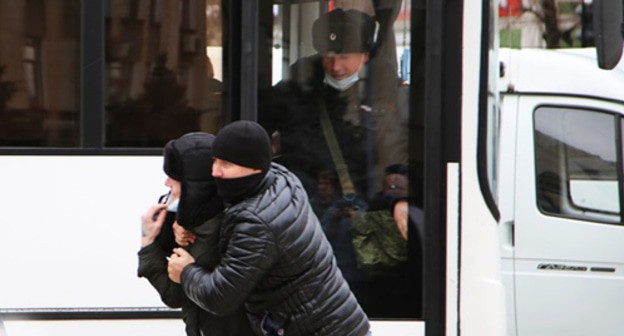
{"points": [[506, 201], [555, 302], [71, 230], [481, 294], [452, 250], [562, 302], [398, 328], [169, 327], [163, 327], [563, 71], [507, 172]]}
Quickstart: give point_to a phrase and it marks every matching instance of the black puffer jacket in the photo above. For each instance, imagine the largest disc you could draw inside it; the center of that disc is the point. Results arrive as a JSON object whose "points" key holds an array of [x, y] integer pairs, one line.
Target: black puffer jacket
{"points": [[277, 262], [153, 266]]}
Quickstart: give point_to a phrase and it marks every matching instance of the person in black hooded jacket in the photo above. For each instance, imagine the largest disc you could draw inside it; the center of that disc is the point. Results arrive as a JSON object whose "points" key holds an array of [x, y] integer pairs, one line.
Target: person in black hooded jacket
{"points": [[187, 163], [276, 260]]}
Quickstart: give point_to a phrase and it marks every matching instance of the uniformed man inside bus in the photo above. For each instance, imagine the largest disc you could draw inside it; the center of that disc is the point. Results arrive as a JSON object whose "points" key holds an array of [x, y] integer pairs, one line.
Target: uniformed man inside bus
{"points": [[337, 87]]}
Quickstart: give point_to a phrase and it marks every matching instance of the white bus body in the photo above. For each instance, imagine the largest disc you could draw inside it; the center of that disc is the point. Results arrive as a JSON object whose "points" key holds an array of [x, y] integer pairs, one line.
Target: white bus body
{"points": [[70, 225], [71, 234]]}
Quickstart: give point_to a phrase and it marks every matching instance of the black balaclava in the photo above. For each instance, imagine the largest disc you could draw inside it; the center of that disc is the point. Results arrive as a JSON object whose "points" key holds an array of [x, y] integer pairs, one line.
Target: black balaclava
{"points": [[247, 144], [188, 160]]}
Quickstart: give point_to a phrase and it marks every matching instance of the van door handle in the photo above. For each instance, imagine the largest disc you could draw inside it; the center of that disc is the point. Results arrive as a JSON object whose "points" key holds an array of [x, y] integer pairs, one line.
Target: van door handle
{"points": [[508, 233]]}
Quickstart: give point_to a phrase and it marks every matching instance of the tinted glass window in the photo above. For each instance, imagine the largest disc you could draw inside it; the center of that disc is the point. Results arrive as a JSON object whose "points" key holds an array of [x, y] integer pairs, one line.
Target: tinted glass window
{"points": [[576, 163], [163, 70], [338, 110], [39, 73]]}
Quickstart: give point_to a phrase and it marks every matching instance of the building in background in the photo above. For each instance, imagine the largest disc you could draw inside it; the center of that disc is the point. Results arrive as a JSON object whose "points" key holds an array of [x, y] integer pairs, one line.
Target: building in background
{"points": [[541, 23]]}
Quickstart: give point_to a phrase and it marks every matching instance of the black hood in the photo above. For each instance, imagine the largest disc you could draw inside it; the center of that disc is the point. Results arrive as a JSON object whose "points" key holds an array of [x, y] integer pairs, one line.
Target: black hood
{"points": [[188, 160]]}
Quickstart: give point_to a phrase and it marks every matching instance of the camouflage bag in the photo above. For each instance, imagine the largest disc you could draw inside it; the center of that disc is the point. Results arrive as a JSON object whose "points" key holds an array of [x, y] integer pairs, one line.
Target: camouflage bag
{"points": [[377, 242]]}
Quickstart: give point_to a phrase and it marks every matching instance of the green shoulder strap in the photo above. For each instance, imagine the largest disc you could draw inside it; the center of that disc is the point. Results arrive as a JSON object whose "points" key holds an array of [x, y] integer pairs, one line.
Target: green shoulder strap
{"points": [[341, 167]]}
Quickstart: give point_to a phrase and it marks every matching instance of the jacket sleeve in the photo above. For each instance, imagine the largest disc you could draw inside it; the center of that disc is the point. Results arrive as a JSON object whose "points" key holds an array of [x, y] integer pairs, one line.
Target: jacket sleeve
{"points": [[251, 251], [153, 266]]}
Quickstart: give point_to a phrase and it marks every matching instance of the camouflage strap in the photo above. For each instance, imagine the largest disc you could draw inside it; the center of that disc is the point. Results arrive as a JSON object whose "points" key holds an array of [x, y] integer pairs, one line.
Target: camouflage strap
{"points": [[341, 167]]}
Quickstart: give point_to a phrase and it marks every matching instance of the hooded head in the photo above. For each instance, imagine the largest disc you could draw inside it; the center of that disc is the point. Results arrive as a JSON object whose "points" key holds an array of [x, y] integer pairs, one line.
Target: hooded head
{"points": [[188, 160]]}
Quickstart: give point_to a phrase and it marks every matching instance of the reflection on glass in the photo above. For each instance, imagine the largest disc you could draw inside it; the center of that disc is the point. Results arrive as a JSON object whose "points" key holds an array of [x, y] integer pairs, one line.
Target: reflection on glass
{"points": [[576, 164], [39, 78], [338, 113], [163, 70]]}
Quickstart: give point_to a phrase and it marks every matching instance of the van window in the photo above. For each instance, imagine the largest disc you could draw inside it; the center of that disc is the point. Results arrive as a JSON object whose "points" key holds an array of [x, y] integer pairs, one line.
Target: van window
{"points": [[576, 164]]}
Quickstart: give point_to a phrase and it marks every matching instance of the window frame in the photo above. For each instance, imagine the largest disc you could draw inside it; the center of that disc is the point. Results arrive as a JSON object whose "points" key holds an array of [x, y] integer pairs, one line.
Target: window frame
{"points": [[563, 154]]}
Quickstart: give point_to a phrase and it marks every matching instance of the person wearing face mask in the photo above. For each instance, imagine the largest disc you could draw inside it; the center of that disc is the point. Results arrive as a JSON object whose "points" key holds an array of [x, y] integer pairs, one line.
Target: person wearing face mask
{"points": [[194, 206], [338, 91], [276, 261], [360, 104]]}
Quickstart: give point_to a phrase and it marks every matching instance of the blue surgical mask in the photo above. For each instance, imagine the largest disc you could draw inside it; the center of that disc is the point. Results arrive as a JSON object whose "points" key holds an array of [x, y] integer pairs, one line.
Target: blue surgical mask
{"points": [[341, 84], [173, 206]]}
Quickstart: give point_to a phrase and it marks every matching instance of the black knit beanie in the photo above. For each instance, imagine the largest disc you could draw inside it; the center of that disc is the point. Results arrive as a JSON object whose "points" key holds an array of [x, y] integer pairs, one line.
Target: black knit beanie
{"points": [[244, 143]]}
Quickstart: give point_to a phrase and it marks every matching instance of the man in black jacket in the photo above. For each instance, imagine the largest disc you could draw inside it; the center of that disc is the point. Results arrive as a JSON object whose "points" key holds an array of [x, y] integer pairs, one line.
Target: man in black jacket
{"points": [[276, 259]]}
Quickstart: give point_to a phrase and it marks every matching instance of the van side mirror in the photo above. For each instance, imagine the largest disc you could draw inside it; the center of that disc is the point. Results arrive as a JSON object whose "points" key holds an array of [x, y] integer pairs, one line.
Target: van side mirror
{"points": [[608, 31]]}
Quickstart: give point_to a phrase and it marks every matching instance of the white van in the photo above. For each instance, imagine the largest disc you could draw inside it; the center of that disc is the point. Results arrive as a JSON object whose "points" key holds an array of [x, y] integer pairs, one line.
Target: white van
{"points": [[561, 193]]}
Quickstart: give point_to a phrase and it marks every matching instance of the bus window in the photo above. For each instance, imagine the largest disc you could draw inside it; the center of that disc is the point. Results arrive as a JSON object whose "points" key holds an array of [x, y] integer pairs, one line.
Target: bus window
{"points": [[339, 97], [163, 70], [39, 73], [576, 164]]}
